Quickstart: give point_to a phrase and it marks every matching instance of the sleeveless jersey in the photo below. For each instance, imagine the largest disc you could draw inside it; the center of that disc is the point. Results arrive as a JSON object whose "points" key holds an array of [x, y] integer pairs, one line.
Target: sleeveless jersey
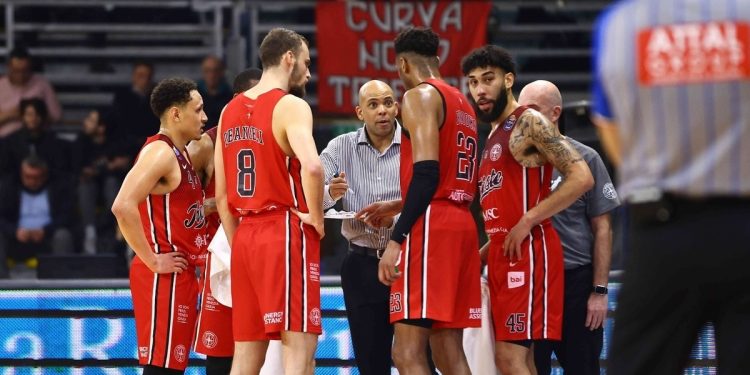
{"points": [[458, 149], [174, 221], [507, 189], [212, 220], [259, 175]]}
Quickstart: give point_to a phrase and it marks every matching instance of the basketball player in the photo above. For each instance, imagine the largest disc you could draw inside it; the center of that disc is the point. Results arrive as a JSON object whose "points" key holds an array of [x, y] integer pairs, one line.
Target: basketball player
{"points": [[431, 262], [269, 191], [214, 329], [160, 213], [524, 253]]}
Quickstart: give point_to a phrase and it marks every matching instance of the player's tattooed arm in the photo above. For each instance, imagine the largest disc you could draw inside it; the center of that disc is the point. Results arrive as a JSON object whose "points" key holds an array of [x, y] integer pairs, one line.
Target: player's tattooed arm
{"points": [[534, 141]]}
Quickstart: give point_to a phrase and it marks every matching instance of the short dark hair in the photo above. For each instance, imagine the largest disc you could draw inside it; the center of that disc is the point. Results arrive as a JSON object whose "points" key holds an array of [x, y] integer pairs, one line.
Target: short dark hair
{"points": [[420, 40], [170, 92], [19, 53], [35, 161], [39, 106], [276, 43], [242, 81], [488, 56], [145, 63]]}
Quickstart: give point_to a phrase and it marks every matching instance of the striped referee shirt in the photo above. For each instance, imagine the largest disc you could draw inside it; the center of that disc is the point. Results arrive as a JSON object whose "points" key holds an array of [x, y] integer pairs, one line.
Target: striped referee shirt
{"points": [[372, 176], [675, 77]]}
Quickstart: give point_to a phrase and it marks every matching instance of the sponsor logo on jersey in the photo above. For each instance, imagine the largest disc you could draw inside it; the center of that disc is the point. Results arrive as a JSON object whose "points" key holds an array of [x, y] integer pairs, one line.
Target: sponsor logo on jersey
{"points": [[609, 191], [143, 351], [490, 213], [210, 340], [496, 151], [275, 317], [180, 353], [195, 216], [475, 313], [489, 183], [315, 317], [509, 123], [495, 230], [460, 196], [516, 279]]}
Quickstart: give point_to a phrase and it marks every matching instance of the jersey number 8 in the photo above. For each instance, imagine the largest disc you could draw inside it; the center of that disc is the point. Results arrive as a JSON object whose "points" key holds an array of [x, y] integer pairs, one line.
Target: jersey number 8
{"points": [[246, 173]]}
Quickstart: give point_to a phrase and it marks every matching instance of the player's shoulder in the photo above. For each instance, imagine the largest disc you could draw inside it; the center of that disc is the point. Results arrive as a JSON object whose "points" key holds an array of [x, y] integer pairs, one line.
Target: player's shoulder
{"points": [[292, 101], [157, 153]]}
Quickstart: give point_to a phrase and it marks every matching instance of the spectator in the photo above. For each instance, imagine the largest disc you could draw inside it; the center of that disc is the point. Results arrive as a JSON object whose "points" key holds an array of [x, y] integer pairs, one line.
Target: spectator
{"points": [[214, 88], [132, 119], [35, 214], [35, 138], [21, 83], [104, 163]]}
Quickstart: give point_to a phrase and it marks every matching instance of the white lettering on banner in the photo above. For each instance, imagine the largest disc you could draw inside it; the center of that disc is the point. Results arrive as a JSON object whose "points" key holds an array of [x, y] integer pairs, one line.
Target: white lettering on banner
{"points": [[35, 344], [378, 52], [397, 16], [693, 52], [78, 346], [345, 86]]}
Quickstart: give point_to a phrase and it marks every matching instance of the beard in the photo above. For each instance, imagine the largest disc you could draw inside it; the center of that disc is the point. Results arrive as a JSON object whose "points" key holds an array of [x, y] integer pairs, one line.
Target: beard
{"points": [[296, 89], [498, 106]]}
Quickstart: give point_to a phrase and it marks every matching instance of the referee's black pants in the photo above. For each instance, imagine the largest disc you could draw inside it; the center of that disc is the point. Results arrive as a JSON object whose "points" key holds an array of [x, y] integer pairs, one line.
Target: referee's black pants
{"points": [[367, 309], [688, 264], [580, 348]]}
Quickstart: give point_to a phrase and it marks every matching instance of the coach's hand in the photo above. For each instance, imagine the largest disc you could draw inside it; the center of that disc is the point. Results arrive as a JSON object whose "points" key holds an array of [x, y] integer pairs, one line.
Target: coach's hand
{"points": [[387, 269], [512, 244], [338, 186], [379, 214], [596, 311], [168, 263]]}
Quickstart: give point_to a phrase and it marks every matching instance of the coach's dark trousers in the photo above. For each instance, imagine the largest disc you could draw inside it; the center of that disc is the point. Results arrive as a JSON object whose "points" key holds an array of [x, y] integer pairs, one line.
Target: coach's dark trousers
{"points": [[366, 301]]}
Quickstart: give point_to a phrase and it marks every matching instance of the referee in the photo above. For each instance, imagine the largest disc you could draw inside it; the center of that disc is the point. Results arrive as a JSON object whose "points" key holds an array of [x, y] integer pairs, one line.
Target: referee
{"points": [[671, 94], [366, 165]]}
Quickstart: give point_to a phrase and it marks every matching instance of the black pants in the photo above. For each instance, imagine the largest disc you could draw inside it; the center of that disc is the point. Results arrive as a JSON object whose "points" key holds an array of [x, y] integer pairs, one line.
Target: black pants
{"points": [[366, 302], [580, 348], [688, 265]]}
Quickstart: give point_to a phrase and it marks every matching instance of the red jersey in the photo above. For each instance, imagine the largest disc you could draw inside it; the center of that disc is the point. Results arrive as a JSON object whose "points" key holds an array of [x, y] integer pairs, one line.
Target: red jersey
{"points": [[507, 190], [259, 175], [212, 221], [458, 149], [174, 221]]}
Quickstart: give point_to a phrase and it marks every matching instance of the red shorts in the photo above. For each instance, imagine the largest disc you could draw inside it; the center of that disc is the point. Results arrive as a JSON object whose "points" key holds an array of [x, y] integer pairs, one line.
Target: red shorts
{"points": [[527, 296], [165, 312], [213, 336], [440, 269], [275, 277]]}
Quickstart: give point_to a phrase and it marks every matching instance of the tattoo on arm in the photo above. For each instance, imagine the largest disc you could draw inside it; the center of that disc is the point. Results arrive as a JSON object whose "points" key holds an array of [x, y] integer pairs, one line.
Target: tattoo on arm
{"points": [[551, 144]]}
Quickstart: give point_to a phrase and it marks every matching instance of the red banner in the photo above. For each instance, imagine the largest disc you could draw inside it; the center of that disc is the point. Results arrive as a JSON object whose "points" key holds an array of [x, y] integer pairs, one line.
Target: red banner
{"points": [[355, 43]]}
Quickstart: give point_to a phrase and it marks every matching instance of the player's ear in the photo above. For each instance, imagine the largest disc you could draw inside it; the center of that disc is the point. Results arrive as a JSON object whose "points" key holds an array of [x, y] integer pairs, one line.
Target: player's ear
{"points": [[509, 78], [360, 116], [289, 58], [174, 113]]}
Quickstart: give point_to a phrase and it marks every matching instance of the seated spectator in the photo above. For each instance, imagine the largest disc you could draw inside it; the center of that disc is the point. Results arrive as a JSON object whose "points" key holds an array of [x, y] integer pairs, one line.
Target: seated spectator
{"points": [[104, 163], [35, 138], [35, 216], [132, 119], [21, 83], [214, 89]]}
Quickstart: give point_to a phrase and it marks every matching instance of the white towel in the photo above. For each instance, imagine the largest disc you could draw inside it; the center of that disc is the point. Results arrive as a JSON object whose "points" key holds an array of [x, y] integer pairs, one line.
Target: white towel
{"points": [[221, 282], [479, 343]]}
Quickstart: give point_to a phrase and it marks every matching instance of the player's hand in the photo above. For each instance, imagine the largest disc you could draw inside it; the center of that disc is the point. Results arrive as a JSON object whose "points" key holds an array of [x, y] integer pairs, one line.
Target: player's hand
{"points": [[169, 263], [378, 214], [512, 244], [209, 206], [388, 270], [338, 186], [596, 311], [23, 235], [309, 220], [37, 235]]}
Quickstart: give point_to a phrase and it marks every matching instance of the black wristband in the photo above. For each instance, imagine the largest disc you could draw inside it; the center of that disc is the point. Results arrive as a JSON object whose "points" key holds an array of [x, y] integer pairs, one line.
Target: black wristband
{"points": [[423, 185]]}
